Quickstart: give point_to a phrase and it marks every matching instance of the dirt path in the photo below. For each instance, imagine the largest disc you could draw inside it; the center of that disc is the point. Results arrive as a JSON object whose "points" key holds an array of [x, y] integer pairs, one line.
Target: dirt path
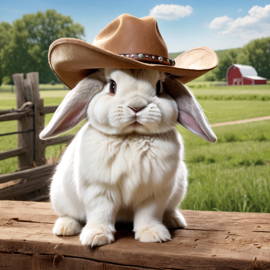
{"points": [[241, 121]]}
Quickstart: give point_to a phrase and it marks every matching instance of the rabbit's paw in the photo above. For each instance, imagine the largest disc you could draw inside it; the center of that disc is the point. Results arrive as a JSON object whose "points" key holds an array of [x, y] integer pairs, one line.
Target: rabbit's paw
{"points": [[66, 226], [96, 236], [154, 233], [174, 219]]}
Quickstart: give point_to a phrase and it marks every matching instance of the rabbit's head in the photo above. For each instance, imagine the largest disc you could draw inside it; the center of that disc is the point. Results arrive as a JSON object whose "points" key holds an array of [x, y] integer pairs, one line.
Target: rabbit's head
{"points": [[133, 101], [130, 101]]}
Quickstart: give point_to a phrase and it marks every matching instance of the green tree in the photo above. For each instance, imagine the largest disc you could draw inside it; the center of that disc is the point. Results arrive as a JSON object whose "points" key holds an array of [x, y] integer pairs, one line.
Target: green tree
{"points": [[225, 62], [28, 41], [4, 40], [258, 54]]}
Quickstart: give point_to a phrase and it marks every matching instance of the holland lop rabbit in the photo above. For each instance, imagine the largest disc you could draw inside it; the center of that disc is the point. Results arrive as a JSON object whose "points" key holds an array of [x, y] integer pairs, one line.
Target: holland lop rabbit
{"points": [[126, 162]]}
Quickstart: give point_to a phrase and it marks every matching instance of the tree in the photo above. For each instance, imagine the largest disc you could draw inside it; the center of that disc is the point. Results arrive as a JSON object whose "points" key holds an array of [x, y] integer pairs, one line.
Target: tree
{"points": [[4, 40], [28, 40], [230, 58], [258, 54]]}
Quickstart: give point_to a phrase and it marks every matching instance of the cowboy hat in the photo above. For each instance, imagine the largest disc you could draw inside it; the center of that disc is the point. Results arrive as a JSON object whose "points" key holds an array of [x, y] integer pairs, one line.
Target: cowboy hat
{"points": [[127, 43]]}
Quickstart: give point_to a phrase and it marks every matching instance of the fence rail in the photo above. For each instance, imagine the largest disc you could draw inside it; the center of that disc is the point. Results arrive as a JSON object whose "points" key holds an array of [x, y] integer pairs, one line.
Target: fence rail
{"points": [[30, 179]]}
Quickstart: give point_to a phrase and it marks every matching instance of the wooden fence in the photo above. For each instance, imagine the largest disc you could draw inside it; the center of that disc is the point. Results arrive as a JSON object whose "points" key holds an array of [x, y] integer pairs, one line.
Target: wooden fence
{"points": [[30, 181]]}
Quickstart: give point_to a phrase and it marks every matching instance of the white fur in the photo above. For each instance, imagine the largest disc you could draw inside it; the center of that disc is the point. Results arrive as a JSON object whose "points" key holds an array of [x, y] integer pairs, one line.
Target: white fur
{"points": [[115, 170]]}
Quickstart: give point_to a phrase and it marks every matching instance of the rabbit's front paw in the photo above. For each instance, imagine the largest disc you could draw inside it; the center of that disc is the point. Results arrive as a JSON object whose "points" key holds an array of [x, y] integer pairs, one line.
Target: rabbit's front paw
{"points": [[96, 236], [174, 219], [66, 226], [154, 233]]}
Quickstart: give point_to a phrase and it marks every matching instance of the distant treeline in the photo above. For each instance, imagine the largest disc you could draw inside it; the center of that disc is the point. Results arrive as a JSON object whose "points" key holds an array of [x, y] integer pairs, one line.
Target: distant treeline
{"points": [[24, 44]]}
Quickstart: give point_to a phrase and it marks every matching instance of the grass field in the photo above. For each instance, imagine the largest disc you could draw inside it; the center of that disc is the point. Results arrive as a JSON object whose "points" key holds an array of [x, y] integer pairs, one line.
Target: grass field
{"points": [[234, 173], [231, 175]]}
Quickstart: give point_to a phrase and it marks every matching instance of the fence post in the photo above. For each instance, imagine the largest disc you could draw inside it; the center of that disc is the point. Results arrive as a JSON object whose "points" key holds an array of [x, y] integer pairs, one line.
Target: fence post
{"points": [[25, 140], [39, 145], [28, 90]]}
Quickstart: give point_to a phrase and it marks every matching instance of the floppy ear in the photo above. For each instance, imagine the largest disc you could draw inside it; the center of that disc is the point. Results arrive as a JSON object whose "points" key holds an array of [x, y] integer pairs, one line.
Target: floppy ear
{"points": [[73, 108], [190, 113]]}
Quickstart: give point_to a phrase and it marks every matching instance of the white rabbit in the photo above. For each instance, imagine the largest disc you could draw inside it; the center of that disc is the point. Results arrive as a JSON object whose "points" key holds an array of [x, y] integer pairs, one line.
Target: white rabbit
{"points": [[126, 162]]}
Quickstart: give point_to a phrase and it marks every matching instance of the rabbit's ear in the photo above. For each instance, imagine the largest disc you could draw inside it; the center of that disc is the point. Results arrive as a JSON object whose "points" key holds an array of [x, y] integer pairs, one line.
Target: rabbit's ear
{"points": [[73, 108], [190, 113]]}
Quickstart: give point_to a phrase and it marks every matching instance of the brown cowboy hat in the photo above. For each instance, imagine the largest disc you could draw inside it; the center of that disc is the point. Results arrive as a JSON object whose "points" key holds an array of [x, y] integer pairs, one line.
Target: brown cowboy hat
{"points": [[127, 43]]}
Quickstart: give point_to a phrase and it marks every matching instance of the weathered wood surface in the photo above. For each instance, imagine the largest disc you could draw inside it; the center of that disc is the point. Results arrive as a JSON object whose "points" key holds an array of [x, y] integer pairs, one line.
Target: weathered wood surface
{"points": [[13, 115], [26, 186], [37, 172], [61, 139], [12, 153], [25, 160], [212, 240], [48, 109]]}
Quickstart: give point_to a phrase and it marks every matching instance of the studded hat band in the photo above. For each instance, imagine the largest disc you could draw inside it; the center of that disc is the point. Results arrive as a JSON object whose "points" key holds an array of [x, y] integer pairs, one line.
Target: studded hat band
{"points": [[150, 58]]}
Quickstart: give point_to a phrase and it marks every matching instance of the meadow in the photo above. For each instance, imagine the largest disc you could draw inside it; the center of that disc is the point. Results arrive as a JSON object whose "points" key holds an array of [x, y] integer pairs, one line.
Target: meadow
{"points": [[231, 175]]}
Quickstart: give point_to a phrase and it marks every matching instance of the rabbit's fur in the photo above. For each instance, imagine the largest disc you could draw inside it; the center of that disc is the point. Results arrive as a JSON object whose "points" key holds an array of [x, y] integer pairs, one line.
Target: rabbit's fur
{"points": [[118, 170]]}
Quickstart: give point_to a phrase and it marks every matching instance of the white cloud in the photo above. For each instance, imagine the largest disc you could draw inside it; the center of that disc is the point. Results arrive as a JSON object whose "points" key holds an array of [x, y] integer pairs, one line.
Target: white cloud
{"points": [[254, 25], [219, 22], [170, 12], [239, 9]]}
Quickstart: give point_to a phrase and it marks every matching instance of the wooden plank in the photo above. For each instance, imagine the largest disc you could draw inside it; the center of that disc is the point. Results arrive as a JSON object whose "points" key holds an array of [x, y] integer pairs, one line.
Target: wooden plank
{"points": [[29, 125], [13, 116], [48, 262], [29, 173], [6, 111], [48, 109], [62, 139], [23, 188], [212, 240], [11, 153]]}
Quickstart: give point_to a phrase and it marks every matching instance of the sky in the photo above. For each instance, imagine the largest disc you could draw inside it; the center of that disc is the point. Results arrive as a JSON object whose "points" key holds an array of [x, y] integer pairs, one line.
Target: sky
{"points": [[183, 24]]}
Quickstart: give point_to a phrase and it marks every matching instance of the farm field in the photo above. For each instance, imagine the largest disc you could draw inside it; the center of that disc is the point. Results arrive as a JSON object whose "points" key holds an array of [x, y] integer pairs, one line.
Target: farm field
{"points": [[231, 175]]}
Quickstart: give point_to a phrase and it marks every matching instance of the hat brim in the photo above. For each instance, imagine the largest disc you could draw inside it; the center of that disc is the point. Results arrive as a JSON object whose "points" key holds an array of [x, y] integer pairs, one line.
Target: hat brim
{"points": [[72, 60]]}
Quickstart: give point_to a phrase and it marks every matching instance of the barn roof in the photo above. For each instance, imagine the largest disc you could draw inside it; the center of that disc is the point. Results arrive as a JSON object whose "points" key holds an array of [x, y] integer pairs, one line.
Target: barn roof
{"points": [[246, 70], [254, 77]]}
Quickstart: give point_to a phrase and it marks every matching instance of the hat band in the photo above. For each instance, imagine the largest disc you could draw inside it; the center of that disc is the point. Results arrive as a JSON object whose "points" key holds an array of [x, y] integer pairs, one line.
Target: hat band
{"points": [[150, 58]]}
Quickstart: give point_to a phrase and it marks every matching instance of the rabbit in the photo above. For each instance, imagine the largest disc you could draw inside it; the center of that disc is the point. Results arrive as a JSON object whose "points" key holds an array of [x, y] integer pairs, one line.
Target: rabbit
{"points": [[127, 161]]}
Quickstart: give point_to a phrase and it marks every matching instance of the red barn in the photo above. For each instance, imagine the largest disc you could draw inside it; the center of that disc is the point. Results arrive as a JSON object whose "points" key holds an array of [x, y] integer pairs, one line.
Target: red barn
{"points": [[242, 75]]}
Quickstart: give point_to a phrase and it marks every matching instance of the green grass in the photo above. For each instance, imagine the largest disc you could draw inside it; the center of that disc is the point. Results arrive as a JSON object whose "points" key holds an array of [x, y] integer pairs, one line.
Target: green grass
{"points": [[223, 111], [208, 91], [234, 173]]}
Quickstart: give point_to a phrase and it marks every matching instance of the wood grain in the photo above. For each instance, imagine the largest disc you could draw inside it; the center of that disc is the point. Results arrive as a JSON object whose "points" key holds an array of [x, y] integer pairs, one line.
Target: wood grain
{"points": [[212, 240], [48, 109], [25, 187], [13, 116], [29, 173], [12, 153], [62, 139]]}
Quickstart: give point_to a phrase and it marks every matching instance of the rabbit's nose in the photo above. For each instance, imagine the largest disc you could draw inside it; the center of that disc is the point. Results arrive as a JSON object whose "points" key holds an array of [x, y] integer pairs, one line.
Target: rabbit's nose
{"points": [[137, 109]]}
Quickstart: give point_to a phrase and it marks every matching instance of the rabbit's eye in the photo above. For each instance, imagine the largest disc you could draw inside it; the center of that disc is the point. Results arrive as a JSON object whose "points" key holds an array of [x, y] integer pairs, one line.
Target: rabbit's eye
{"points": [[158, 87], [112, 86]]}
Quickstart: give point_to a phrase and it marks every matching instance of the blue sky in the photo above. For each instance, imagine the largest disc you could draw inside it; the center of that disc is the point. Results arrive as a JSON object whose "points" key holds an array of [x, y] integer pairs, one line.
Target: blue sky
{"points": [[185, 25]]}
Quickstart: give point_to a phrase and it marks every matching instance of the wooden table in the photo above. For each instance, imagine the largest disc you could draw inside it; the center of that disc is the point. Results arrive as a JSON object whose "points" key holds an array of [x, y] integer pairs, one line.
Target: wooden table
{"points": [[212, 240]]}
